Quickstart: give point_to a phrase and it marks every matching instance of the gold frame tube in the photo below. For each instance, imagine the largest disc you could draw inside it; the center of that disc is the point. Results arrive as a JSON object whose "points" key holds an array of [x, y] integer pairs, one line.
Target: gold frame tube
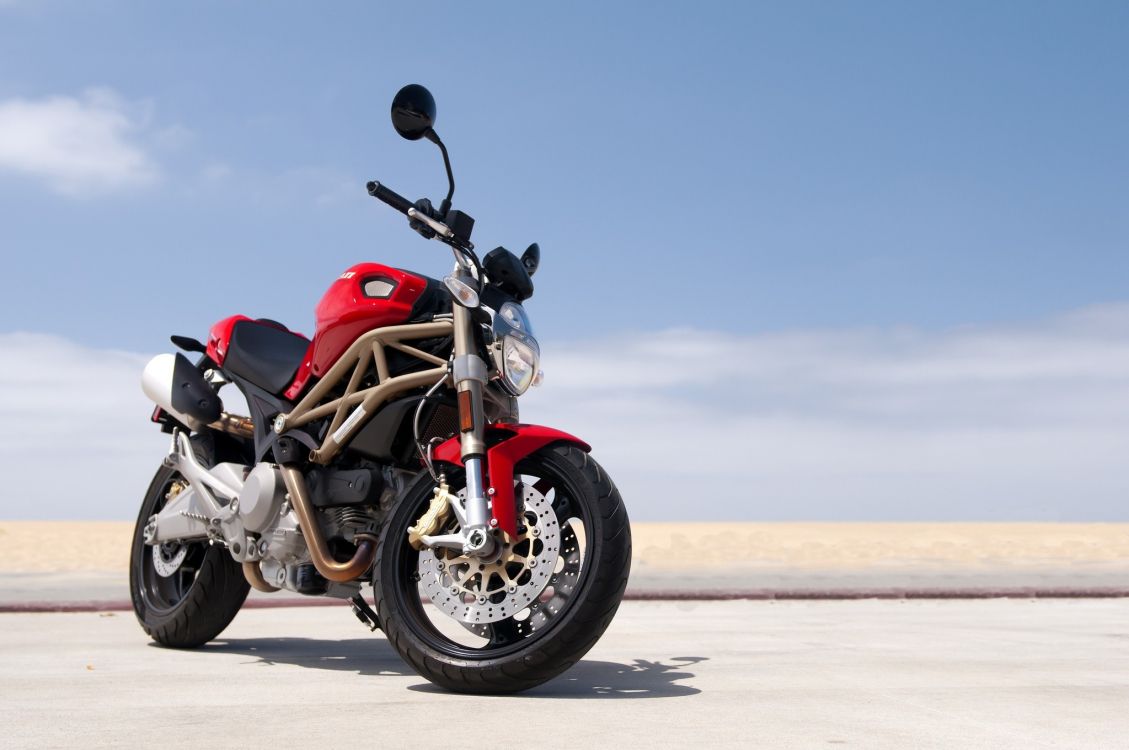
{"points": [[367, 351]]}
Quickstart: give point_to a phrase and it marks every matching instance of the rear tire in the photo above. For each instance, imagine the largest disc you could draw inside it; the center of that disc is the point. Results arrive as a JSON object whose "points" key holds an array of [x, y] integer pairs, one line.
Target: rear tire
{"points": [[516, 656], [204, 593]]}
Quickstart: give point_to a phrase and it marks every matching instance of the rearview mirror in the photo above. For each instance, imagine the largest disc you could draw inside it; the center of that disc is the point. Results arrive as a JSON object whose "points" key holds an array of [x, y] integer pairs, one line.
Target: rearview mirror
{"points": [[531, 258], [413, 112]]}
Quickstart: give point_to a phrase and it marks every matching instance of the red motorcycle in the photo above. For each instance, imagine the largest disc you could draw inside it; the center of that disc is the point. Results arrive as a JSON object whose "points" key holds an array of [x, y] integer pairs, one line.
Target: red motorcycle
{"points": [[386, 450]]}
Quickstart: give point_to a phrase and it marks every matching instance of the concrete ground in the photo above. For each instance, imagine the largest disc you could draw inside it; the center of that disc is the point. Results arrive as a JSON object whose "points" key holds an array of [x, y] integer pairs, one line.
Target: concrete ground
{"points": [[999, 673]]}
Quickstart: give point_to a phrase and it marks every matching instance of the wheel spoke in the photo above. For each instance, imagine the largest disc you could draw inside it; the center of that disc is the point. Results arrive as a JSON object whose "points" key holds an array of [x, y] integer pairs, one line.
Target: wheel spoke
{"points": [[562, 506], [466, 575], [503, 632]]}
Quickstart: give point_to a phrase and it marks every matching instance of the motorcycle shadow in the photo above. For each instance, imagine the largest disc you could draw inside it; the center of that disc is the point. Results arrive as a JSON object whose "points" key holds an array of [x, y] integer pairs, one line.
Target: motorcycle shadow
{"points": [[365, 656], [605, 679], [372, 656]]}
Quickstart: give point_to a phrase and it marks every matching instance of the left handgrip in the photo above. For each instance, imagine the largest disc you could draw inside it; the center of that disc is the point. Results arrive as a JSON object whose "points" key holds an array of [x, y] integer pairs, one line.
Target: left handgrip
{"points": [[391, 197]]}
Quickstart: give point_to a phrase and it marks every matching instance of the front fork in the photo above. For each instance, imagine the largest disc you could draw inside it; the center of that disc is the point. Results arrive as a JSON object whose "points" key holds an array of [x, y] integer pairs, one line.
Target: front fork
{"points": [[470, 376]]}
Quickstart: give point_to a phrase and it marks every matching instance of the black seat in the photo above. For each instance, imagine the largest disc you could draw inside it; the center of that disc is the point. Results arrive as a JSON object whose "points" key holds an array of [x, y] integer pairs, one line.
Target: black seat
{"points": [[265, 353]]}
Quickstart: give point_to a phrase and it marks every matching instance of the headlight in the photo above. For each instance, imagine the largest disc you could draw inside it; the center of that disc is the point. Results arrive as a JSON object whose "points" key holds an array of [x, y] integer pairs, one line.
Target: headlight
{"points": [[520, 358], [519, 354]]}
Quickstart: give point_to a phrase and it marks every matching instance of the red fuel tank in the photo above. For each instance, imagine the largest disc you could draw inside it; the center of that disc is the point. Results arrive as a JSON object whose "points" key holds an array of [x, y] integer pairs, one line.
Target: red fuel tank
{"points": [[367, 296]]}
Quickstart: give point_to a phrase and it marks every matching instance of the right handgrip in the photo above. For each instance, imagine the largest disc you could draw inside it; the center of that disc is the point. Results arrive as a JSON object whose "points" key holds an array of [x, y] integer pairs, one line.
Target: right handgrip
{"points": [[392, 198]]}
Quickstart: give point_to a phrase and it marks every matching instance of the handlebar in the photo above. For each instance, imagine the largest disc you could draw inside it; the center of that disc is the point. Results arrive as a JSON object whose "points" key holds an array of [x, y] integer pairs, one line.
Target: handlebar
{"points": [[423, 223], [392, 198]]}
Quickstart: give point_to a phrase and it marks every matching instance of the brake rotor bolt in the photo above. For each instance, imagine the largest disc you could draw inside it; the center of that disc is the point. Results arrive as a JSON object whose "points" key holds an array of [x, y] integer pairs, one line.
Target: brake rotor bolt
{"points": [[536, 531], [454, 590], [512, 589], [533, 563], [482, 600]]}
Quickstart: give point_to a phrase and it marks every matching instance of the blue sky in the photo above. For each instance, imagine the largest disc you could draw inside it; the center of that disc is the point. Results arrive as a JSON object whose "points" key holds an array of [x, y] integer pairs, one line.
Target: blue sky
{"points": [[743, 169], [741, 166]]}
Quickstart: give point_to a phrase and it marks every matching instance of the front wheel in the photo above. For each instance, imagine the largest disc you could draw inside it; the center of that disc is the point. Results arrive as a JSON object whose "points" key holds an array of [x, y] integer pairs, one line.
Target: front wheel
{"points": [[532, 609]]}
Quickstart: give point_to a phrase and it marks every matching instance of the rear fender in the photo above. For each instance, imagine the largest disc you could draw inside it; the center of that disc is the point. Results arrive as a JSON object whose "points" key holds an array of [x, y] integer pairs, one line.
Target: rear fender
{"points": [[509, 444]]}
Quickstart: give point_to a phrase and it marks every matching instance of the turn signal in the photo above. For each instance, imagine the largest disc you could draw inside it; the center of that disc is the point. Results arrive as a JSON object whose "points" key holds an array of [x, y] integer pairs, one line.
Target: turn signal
{"points": [[463, 292]]}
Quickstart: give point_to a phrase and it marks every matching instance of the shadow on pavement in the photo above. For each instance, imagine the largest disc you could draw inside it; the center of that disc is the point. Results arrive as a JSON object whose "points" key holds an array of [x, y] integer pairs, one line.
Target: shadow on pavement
{"points": [[605, 679], [373, 656], [365, 656]]}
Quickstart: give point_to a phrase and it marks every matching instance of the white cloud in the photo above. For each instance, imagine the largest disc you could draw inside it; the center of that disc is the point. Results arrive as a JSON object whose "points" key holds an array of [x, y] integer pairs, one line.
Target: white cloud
{"points": [[988, 422], [77, 441], [77, 145]]}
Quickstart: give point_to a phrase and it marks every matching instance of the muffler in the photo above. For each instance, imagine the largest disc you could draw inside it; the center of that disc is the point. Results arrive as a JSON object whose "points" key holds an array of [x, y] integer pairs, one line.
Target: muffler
{"points": [[177, 386]]}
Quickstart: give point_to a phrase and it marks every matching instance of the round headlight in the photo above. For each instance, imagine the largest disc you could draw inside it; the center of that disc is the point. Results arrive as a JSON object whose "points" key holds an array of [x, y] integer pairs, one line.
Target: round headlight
{"points": [[520, 358]]}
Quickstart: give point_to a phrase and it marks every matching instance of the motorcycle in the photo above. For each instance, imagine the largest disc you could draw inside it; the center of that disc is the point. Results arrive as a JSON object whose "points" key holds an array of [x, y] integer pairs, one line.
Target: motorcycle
{"points": [[386, 450]]}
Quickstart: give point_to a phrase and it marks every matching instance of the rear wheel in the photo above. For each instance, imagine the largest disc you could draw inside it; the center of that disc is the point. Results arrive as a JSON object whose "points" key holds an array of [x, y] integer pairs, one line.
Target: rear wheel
{"points": [[184, 594], [532, 609]]}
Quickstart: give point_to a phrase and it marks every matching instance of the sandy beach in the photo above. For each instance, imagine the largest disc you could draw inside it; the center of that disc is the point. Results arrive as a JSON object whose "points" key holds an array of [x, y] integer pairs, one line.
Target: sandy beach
{"points": [[95, 546]]}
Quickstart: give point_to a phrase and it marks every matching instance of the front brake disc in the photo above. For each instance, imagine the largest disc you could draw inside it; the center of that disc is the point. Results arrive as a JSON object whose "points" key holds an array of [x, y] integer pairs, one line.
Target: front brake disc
{"points": [[476, 590]]}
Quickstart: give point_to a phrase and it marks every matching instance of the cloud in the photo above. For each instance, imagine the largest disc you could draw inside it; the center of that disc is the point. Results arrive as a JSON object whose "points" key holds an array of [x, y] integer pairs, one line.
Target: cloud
{"points": [[1025, 422], [77, 442], [78, 145], [982, 422]]}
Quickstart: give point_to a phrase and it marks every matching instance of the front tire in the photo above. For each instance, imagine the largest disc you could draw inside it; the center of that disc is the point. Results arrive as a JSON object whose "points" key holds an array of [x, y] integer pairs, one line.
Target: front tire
{"points": [[185, 594], [567, 613]]}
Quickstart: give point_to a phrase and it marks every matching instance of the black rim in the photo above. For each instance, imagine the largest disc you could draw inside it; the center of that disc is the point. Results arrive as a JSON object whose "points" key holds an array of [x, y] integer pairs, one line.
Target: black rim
{"points": [[557, 600], [164, 593]]}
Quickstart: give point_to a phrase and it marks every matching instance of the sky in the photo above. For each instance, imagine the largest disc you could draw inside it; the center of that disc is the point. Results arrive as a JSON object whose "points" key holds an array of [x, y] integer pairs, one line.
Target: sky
{"points": [[850, 261]]}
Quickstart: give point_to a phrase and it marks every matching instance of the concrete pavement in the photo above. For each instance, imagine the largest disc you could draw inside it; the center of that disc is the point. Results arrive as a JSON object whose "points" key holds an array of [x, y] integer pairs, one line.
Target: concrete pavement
{"points": [[998, 673]]}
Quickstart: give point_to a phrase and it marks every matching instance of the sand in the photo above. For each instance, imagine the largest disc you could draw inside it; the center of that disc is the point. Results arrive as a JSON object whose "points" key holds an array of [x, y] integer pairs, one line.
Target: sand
{"points": [[103, 546]]}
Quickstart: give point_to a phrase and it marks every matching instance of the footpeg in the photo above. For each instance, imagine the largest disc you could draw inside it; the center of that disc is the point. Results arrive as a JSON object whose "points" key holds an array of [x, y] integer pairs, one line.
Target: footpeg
{"points": [[365, 613]]}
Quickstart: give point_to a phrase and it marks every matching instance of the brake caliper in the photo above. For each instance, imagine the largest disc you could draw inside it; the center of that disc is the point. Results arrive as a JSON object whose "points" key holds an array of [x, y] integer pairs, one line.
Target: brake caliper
{"points": [[434, 519]]}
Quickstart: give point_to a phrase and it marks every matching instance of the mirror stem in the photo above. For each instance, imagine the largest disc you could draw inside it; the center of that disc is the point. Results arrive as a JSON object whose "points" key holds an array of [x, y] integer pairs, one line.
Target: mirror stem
{"points": [[432, 136]]}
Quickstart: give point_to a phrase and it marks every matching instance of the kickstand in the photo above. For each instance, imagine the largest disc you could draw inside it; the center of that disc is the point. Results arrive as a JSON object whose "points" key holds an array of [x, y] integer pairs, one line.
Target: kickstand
{"points": [[365, 613]]}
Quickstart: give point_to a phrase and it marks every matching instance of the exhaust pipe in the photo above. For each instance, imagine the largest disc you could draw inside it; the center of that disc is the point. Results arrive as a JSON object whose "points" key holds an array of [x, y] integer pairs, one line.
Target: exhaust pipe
{"points": [[178, 387], [329, 568], [254, 575], [233, 424]]}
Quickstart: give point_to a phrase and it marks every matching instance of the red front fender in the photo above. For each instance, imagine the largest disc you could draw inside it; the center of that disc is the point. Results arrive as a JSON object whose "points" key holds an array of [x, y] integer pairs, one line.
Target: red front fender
{"points": [[509, 443]]}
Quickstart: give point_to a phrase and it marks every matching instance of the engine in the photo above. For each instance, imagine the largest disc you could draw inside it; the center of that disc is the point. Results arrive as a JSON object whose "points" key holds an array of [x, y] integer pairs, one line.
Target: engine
{"points": [[250, 512], [347, 502]]}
